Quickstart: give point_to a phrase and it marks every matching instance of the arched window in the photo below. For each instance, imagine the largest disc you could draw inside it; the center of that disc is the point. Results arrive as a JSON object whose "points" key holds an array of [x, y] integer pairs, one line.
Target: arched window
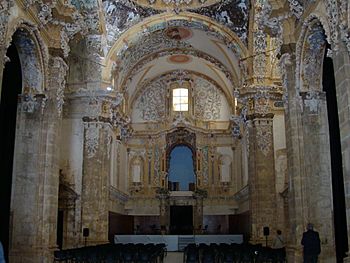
{"points": [[181, 170]]}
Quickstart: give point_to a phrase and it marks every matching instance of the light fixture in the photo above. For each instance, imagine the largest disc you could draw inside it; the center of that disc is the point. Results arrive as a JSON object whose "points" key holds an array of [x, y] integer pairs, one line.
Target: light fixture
{"points": [[109, 88]]}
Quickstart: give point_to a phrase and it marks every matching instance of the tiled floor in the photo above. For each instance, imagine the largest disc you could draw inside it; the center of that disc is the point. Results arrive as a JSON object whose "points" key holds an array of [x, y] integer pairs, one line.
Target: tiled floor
{"points": [[174, 257]]}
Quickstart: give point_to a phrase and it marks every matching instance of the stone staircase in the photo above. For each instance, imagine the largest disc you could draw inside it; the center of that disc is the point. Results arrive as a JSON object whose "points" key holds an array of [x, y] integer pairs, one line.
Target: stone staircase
{"points": [[183, 241]]}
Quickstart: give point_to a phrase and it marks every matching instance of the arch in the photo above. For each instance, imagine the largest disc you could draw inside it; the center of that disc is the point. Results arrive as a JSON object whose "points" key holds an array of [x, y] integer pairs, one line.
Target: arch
{"points": [[11, 88], [180, 136], [309, 54], [32, 45], [160, 21], [144, 85], [179, 161]]}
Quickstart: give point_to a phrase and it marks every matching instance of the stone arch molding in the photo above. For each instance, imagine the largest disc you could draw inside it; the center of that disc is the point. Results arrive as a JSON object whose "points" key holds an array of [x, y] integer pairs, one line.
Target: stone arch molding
{"points": [[33, 53], [310, 52], [154, 23]]}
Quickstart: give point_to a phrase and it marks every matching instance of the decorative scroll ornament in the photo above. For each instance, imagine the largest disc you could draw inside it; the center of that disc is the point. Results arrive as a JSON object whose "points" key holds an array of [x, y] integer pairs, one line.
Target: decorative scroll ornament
{"points": [[285, 61], [108, 142], [296, 8], [29, 103], [264, 138], [314, 47], [333, 20], [208, 100], [58, 71], [151, 103], [92, 134], [344, 23], [236, 128], [312, 101], [261, 103]]}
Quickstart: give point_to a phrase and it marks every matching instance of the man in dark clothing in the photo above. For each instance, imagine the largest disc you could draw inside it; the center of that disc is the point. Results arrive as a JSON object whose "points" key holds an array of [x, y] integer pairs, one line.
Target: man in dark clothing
{"points": [[312, 245]]}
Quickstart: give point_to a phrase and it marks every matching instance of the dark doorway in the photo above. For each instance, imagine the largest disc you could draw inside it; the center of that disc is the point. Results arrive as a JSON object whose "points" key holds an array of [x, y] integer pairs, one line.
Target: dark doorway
{"points": [[181, 170], [340, 225], [60, 224], [11, 88], [181, 220]]}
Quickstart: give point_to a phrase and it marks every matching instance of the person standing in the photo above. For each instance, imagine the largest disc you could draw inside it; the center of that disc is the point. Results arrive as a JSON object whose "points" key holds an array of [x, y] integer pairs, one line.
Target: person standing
{"points": [[279, 244], [312, 244]]}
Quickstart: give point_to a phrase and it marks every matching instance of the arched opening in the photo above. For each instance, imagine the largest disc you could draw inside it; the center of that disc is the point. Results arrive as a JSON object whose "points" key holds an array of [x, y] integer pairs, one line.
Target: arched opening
{"points": [[11, 88], [181, 170], [340, 229]]}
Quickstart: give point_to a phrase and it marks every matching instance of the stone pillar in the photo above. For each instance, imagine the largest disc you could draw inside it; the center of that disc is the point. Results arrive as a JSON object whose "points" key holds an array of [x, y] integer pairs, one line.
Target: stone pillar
{"points": [[198, 213], [295, 159], [317, 183], [4, 18], [95, 181], [341, 62], [35, 178], [164, 212], [261, 175], [309, 170]]}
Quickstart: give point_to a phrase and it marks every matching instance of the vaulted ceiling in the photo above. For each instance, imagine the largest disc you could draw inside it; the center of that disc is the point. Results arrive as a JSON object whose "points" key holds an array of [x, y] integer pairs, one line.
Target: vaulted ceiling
{"points": [[147, 39]]}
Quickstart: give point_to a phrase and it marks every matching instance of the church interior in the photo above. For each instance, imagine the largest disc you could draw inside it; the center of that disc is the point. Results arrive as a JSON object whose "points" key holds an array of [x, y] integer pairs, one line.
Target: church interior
{"points": [[205, 118]]}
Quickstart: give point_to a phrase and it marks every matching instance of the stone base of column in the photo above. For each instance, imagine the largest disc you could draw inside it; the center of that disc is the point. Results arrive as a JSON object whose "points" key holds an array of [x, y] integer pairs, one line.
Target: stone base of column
{"points": [[347, 260], [294, 254], [31, 255]]}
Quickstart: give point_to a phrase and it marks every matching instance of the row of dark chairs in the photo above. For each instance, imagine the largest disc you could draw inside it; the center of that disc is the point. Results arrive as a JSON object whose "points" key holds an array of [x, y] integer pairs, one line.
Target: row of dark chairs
{"points": [[113, 253], [232, 253]]}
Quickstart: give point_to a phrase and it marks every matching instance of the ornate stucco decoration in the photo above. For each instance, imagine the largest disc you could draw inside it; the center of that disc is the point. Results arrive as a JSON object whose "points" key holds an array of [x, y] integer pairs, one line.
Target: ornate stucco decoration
{"points": [[92, 135], [344, 23], [312, 100], [5, 7], [207, 100], [296, 8], [123, 14], [236, 126], [264, 137], [58, 70], [192, 52], [285, 61], [333, 20], [151, 103], [313, 53], [232, 14]]}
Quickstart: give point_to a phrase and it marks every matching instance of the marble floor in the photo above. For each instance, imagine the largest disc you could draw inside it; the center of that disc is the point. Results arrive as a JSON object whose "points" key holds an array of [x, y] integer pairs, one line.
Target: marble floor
{"points": [[174, 257]]}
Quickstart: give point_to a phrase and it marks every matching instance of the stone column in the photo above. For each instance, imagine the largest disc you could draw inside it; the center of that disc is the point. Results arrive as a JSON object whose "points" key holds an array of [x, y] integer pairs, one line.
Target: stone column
{"points": [[95, 181], [164, 212], [198, 213], [4, 18], [309, 192], [317, 183], [341, 62], [294, 159], [261, 175], [35, 178]]}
